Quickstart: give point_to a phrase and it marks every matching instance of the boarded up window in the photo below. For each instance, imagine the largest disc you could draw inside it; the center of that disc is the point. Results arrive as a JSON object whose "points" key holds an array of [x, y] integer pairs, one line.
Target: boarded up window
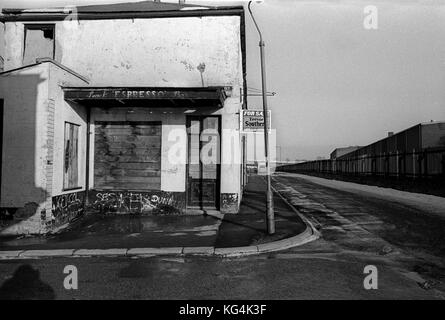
{"points": [[39, 43], [127, 155], [71, 156]]}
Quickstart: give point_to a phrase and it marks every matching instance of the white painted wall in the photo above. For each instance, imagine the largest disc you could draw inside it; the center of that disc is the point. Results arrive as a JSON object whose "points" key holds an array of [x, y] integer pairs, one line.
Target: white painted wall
{"points": [[32, 163], [144, 52], [66, 112], [162, 52], [25, 95]]}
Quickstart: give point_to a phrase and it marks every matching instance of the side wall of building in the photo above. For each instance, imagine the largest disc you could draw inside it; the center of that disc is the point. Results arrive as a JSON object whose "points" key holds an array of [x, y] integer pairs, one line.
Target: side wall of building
{"points": [[64, 205], [23, 187], [433, 135], [33, 135]]}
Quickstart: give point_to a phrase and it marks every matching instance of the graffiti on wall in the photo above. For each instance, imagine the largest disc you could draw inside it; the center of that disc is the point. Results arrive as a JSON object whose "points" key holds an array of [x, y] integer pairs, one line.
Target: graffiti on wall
{"points": [[66, 207], [229, 202], [156, 202]]}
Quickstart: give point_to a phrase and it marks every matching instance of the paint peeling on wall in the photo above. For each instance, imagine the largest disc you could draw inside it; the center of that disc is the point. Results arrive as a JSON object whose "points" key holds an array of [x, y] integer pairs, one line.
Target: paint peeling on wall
{"points": [[93, 47], [187, 65]]}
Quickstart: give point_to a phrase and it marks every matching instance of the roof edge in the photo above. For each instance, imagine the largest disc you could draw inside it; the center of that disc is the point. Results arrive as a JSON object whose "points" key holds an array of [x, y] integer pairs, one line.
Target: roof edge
{"points": [[44, 60], [18, 15]]}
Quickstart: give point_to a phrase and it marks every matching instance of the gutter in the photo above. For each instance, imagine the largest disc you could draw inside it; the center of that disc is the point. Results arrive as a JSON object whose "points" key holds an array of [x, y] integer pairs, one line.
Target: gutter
{"points": [[20, 15]]}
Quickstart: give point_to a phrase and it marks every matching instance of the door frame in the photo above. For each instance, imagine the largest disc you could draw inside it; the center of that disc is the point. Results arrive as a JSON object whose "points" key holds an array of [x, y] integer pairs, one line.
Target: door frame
{"points": [[188, 120]]}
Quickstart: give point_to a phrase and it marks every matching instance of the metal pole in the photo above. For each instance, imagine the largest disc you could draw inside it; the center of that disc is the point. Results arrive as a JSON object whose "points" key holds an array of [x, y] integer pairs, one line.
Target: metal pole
{"points": [[269, 196]]}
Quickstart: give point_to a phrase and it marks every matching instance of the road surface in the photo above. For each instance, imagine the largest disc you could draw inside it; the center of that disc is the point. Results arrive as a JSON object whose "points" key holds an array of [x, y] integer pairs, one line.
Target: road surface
{"points": [[358, 228]]}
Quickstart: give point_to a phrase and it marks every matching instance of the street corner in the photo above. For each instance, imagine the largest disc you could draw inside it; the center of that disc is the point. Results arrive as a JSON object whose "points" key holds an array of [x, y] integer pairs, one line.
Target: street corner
{"points": [[13, 254], [236, 251], [155, 251], [307, 236]]}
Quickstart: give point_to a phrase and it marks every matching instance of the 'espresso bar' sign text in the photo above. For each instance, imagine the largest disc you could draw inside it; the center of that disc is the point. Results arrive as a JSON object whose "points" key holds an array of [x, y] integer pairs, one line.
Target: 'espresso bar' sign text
{"points": [[134, 93], [131, 94]]}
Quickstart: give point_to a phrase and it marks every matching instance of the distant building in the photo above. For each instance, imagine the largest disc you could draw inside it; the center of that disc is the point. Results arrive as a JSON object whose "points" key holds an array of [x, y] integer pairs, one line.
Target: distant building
{"points": [[342, 151], [416, 152], [255, 155]]}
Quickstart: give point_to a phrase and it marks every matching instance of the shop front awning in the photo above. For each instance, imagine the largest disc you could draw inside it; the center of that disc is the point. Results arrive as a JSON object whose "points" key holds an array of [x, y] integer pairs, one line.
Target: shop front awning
{"points": [[186, 97]]}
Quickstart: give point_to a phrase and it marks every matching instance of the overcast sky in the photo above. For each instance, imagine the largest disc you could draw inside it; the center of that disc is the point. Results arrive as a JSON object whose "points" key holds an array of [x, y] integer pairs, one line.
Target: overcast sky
{"points": [[337, 83]]}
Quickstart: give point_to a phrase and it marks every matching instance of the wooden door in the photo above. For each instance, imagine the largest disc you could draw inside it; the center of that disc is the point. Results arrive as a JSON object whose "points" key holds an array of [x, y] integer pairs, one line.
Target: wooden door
{"points": [[203, 165]]}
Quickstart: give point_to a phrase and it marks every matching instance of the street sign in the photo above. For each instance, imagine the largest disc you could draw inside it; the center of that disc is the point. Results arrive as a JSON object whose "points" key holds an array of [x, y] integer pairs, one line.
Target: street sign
{"points": [[253, 121]]}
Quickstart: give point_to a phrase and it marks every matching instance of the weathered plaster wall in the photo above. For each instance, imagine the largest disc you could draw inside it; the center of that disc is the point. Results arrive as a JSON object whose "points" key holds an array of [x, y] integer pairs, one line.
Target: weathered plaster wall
{"points": [[14, 39], [230, 149], [163, 52], [25, 95], [32, 159], [66, 112], [144, 52]]}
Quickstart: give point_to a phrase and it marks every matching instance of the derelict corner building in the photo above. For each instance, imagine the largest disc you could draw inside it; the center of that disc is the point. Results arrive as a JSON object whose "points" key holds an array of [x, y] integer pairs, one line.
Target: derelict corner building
{"points": [[109, 107]]}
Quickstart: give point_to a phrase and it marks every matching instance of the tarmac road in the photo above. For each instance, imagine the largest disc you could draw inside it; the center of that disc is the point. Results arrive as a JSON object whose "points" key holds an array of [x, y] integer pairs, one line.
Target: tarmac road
{"points": [[288, 275], [357, 229]]}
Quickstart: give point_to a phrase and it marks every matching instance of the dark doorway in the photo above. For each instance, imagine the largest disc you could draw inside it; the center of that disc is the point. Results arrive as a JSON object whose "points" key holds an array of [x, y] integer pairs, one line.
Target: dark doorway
{"points": [[203, 162]]}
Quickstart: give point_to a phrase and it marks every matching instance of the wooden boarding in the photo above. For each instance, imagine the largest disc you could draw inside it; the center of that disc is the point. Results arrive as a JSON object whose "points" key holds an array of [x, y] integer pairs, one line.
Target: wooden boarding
{"points": [[127, 155]]}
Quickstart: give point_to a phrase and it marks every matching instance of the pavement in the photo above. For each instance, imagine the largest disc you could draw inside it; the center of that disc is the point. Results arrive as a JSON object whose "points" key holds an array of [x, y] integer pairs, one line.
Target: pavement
{"points": [[210, 234]]}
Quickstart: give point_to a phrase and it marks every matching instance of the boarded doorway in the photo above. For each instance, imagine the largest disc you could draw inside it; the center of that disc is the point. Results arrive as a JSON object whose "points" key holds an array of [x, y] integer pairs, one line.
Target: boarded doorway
{"points": [[127, 156]]}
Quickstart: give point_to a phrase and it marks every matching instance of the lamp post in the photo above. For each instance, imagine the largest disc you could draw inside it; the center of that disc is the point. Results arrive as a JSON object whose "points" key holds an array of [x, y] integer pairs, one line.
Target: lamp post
{"points": [[270, 219]]}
